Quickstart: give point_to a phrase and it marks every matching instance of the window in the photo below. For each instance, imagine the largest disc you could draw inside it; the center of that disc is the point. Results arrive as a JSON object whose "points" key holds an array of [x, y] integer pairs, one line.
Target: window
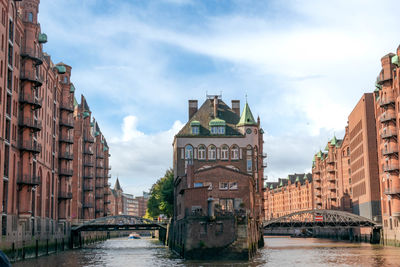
{"points": [[188, 152], [195, 130], [198, 184], [226, 204], [209, 184], [233, 186], [30, 17], [218, 130], [202, 152], [212, 153], [249, 165], [223, 186], [225, 152], [235, 152]]}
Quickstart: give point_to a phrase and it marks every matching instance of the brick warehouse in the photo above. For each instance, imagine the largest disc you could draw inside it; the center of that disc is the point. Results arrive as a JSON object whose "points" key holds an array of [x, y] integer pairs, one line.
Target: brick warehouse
{"points": [[42, 154], [218, 164], [360, 173]]}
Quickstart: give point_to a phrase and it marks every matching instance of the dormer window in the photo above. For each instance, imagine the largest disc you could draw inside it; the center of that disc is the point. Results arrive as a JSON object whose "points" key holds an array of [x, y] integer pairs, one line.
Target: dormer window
{"points": [[195, 127], [217, 126]]}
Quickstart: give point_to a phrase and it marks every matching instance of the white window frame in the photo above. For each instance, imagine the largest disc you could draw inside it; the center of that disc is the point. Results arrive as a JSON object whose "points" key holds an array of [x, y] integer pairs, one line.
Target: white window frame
{"points": [[233, 186], [212, 152], [225, 152], [202, 152], [235, 152], [223, 185]]}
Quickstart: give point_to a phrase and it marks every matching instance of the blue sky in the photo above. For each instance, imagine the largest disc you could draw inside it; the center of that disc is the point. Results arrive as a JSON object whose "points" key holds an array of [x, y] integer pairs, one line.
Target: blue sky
{"points": [[303, 64]]}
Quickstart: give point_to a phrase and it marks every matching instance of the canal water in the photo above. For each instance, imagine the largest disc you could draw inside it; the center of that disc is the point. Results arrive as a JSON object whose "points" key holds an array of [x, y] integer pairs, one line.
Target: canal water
{"points": [[278, 251]]}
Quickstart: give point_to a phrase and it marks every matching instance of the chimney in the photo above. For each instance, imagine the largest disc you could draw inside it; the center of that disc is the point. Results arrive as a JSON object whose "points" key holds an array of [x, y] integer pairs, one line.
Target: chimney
{"points": [[192, 108], [236, 106], [215, 106]]}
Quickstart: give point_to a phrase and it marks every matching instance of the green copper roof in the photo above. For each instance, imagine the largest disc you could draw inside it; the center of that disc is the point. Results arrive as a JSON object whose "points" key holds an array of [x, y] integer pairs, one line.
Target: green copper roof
{"points": [[72, 88], [395, 60], [313, 159], [271, 187], [334, 141], [261, 131], [217, 122], [297, 179], [85, 114], [195, 123], [61, 69], [105, 148], [247, 117], [327, 147], [42, 38], [75, 102], [91, 124], [96, 133], [280, 184], [319, 154], [102, 141]]}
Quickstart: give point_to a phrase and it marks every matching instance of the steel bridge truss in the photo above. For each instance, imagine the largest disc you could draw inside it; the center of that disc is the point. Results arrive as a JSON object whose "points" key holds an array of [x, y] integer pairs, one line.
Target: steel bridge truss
{"points": [[318, 219], [118, 223]]}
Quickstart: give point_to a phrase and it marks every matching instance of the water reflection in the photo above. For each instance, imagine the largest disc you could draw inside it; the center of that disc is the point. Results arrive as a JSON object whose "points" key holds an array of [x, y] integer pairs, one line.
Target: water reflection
{"points": [[277, 252]]}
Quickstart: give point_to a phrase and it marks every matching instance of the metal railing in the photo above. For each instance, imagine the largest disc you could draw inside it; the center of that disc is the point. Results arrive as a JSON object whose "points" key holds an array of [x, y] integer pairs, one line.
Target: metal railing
{"points": [[392, 191], [30, 99], [29, 122], [65, 172], [67, 122], [67, 106], [387, 116], [30, 146], [31, 76], [65, 195], [66, 155], [387, 101], [28, 179]]}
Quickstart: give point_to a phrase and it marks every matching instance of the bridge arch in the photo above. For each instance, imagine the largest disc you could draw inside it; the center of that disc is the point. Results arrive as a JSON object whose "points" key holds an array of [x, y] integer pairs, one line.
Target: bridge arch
{"points": [[320, 218]]}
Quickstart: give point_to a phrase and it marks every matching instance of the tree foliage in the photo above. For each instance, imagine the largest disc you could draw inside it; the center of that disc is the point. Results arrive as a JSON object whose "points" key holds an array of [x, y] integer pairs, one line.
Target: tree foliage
{"points": [[161, 199]]}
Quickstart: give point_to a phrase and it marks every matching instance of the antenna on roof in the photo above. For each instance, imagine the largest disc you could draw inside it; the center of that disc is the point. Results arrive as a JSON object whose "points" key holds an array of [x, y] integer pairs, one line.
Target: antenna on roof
{"points": [[246, 97], [213, 96]]}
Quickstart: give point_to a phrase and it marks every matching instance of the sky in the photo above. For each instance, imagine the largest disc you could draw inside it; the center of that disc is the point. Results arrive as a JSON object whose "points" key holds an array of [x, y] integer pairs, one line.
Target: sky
{"points": [[303, 65]]}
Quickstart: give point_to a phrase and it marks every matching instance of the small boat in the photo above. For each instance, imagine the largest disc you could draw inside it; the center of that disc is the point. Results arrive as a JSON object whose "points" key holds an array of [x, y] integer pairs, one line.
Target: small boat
{"points": [[134, 236]]}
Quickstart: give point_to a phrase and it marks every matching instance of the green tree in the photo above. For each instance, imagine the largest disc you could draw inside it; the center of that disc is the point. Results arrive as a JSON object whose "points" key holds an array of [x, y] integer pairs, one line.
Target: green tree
{"points": [[161, 199]]}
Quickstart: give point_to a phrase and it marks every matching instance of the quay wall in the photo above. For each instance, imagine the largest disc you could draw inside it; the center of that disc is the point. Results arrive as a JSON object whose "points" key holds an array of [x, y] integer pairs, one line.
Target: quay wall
{"points": [[203, 237]]}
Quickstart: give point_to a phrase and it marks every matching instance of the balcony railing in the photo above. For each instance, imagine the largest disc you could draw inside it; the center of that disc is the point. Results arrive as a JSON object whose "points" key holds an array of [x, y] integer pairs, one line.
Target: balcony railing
{"points": [[30, 99], [99, 195], [388, 116], [66, 139], [332, 187], [389, 134], [30, 146], [107, 192], [331, 178], [99, 156], [107, 202], [88, 205], [99, 185], [391, 168], [264, 155], [88, 175], [65, 172], [330, 169], [67, 106], [35, 54], [31, 123], [99, 209], [28, 179], [396, 214], [31, 76], [66, 156], [316, 170], [88, 163], [88, 151], [88, 188], [64, 195], [392, 191], [387, 101], [109, 167], [67, 122], [390, 151], [88, 139], [330, 160], [100, 165]]}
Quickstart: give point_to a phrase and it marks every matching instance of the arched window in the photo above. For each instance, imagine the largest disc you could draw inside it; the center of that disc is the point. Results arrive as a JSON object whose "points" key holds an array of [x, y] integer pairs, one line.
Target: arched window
{"points": [[188, 152], [202, 152], [225, 152], [235, 152], [30, 17], [249, 160], [212, 152]]}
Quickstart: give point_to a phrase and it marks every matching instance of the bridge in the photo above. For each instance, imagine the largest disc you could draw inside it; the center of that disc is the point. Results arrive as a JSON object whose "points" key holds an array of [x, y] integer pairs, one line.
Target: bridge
{"points": [[117, 223], [320, 219]]}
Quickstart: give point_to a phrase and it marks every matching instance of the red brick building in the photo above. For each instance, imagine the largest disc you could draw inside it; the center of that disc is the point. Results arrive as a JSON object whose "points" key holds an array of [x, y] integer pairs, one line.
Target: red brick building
{"points": [[387, 131], [41, 166], [219, 142], [288, 195]]}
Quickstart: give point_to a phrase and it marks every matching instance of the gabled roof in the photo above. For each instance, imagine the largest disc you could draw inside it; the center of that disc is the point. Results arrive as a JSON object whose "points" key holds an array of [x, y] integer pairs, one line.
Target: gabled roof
{"points": [[205, 114], [117, 186], [247, 117]]}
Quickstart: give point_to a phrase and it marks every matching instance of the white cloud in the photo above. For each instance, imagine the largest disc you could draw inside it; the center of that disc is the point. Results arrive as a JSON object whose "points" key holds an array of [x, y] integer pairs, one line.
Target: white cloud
{"points": [[139, 159], [304, 69]]}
